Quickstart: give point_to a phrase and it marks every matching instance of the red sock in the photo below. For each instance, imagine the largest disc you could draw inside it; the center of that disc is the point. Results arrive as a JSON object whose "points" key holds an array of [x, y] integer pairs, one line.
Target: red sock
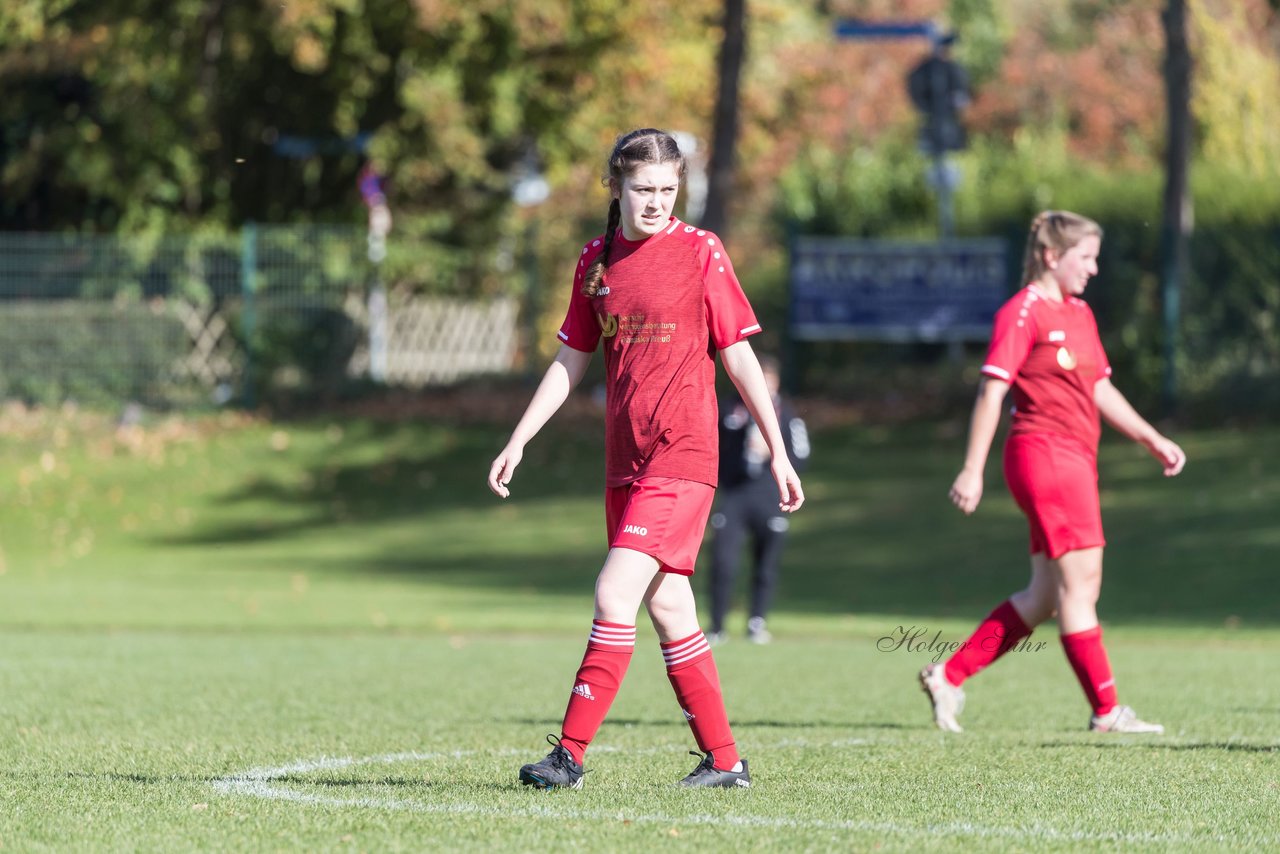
{"points": [[693, 675], [996, 635], [599, 676], [1088, 659]]}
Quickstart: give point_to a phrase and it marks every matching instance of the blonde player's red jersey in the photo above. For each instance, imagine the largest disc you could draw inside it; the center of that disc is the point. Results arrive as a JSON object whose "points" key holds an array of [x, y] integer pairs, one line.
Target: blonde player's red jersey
{"points": [[1051, 353], [666, 305]]}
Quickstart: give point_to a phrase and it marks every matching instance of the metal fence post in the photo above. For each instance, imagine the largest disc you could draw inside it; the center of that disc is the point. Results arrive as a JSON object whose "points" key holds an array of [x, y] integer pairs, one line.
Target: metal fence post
{"points": [[248, 286]]}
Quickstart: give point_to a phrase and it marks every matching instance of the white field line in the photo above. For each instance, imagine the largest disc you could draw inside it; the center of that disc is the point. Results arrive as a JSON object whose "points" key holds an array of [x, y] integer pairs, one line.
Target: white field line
{"points": [[265, 783]]}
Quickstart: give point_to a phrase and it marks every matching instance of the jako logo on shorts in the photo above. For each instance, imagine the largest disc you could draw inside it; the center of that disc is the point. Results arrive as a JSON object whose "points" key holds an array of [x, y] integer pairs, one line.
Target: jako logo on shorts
{"points": [[636, 529]]}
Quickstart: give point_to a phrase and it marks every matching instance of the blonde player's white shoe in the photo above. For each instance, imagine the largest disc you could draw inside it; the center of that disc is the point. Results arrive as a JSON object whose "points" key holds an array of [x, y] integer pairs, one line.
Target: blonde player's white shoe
{"points": [[1122, 719], [947, 699]]}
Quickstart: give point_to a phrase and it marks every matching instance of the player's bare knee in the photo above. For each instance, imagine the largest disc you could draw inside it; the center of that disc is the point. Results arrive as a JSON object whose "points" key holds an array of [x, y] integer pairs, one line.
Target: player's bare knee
{"points": [[1078, 601], [1081, 589], [1035, 604], [1039, 614], [665, 612], [615, 607]]}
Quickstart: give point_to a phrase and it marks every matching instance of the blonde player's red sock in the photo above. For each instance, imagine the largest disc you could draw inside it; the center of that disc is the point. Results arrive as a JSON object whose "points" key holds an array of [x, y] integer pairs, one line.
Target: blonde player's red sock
{"points": [[599, 676], [996, 635], [693, 675], [1088, 659]]}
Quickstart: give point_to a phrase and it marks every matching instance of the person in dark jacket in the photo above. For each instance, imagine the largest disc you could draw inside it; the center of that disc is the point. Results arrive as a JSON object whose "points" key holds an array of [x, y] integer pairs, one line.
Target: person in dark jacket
{"points": [[748, 507]]}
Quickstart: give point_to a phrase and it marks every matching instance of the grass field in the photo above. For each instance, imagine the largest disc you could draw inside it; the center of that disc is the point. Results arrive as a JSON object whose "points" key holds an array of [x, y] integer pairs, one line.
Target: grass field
{"points": [[222, 634]]}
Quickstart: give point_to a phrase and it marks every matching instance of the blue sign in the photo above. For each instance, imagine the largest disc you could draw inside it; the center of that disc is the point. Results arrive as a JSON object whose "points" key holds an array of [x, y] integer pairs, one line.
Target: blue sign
{"points": [[855, 28], [846, 289]]}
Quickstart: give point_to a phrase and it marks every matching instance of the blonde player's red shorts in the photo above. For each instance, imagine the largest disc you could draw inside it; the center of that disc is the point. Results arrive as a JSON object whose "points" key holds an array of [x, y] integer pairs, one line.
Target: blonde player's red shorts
{"points": [[1055, 482], [663, 517]]}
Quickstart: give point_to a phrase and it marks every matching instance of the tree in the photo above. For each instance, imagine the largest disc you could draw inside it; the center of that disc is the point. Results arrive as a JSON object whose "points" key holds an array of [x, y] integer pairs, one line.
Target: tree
{"points": [[724, 134], [1175, 222], [128, 113]]}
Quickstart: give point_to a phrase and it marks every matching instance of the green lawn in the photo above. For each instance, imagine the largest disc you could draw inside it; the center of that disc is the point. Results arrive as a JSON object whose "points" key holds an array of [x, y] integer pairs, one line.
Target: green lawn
{"points": [[220, 634]]}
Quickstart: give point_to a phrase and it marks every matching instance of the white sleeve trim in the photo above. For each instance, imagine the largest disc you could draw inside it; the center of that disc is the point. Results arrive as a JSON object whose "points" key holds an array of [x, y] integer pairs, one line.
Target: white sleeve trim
{"points": [[998, 373], [755, 327], [562, 336]]}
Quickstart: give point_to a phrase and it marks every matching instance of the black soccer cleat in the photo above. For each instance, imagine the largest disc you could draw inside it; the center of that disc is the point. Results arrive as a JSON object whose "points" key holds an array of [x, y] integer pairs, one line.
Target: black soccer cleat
{"points": [[707, 776], [556, 770]]}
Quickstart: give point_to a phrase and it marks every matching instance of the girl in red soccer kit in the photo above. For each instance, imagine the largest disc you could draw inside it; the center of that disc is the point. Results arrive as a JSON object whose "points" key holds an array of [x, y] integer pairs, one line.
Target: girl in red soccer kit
{"points": [[1045, 347], [664, 298]]}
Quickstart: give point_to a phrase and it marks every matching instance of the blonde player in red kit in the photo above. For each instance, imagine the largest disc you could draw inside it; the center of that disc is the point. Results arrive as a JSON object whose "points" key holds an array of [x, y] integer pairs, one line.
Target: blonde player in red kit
{"points": [[1045, 347], [663, 298]]}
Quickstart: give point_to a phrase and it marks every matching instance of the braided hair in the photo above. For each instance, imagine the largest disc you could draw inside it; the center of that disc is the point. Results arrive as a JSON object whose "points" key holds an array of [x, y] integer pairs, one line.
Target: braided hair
{"points": [[637, 148], [1056, 230]]}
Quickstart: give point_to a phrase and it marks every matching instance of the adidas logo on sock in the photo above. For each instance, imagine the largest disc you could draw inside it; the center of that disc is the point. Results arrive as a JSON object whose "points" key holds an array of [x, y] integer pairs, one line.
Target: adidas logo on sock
{"points": [[582, 689]]}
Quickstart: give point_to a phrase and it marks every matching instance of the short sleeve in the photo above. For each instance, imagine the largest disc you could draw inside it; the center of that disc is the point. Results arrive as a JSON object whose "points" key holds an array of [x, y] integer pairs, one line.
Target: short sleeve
{"points": [[580, 329], [730, 318], [1012, 338]]}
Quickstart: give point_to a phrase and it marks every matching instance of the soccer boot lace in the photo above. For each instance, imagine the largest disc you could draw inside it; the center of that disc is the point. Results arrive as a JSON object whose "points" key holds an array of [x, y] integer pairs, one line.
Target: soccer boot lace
{"points": [[556, 770]]}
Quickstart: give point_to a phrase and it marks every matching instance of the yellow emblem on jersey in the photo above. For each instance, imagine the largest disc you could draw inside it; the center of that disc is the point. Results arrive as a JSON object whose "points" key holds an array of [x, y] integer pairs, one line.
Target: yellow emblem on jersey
{"points": [[608, 324], [1066, 360]]}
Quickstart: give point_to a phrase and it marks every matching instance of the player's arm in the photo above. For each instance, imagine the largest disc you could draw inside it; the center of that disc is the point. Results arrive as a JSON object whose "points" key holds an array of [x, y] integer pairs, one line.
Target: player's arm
{"points": [[966, 491], [743, 368], [561, 377], [1118, 412]]}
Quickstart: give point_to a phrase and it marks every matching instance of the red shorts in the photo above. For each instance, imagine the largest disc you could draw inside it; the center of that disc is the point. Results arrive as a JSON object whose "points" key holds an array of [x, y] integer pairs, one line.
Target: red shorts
{"points": [[1055, 482], [663, 517]]}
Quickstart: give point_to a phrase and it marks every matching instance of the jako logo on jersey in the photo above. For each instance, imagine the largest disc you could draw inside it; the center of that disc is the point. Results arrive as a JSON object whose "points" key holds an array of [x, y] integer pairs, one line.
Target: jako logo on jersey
{"points": [[582, 689], [608, 324], [603, 291], [638, 530], [687, 716], [1057, 335]]}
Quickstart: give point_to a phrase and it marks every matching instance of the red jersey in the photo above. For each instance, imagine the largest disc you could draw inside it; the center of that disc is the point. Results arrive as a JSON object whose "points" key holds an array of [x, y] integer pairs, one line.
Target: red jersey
{"points": [[666, 305], [1051, 353]]}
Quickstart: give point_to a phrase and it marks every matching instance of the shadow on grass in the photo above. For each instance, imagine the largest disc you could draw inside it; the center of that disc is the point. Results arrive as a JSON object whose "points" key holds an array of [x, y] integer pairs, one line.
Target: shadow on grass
{"points": [[676, 723], [1257, 710], [169, 779], [1225, 746], [384, 472], [877, 535], [345, 782], [144, 779]]}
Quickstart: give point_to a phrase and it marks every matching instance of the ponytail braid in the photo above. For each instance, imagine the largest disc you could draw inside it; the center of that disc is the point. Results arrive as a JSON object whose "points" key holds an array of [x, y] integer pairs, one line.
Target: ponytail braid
{"points": [[594, 278], [1033, 256]]}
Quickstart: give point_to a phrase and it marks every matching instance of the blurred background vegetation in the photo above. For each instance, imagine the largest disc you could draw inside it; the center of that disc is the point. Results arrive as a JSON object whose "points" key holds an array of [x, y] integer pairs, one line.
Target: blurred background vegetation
{"points": [[147, 117]]}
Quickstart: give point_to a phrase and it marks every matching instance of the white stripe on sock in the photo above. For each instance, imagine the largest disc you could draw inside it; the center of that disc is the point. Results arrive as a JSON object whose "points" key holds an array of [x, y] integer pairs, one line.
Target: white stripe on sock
{"points": [[606, 630], [696, 640], [686, 652], [678, 661], [612, 635]]}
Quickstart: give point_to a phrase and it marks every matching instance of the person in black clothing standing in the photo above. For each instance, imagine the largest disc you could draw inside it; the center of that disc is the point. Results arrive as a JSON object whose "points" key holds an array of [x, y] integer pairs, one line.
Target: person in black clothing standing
{"points": [[748, 505]]}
